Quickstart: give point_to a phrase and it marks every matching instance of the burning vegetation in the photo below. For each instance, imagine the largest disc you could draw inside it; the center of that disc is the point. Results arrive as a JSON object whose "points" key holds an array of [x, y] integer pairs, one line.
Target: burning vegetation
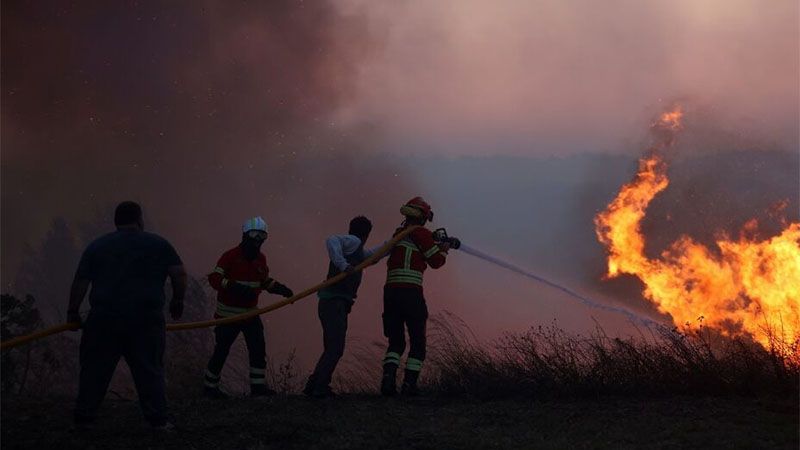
{"points": [[747, 286]]}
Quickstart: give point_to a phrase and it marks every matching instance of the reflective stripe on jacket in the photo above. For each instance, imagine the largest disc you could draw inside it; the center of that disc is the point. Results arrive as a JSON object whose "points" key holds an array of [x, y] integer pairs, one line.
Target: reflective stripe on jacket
{"points": [[233, 267], [410, 257]]}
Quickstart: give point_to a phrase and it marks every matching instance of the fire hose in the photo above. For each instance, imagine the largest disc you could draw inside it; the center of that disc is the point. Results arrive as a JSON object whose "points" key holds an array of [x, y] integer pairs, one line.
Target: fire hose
{"points": [[11, 343], [440, 236]]}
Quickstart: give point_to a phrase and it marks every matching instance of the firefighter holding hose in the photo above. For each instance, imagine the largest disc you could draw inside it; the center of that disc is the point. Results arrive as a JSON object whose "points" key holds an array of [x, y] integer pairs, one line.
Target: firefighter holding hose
{"points": [[240, 276], [403, 301]]}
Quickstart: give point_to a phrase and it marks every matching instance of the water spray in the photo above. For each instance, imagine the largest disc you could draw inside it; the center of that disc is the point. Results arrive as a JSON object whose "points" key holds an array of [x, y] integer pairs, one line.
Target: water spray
{"points": [[440, 235]]}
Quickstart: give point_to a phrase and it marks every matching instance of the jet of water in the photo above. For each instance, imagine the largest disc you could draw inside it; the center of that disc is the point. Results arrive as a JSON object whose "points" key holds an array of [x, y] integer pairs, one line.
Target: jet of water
{"points": [[585, 300]]}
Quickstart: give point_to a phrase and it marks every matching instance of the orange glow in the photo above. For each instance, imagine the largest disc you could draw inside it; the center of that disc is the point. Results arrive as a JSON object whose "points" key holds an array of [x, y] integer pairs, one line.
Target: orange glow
{"points": [[747, 287], [671, 119]]}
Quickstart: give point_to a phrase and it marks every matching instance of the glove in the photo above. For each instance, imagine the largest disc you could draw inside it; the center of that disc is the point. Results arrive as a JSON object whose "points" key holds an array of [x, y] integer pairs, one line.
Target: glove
{"points": [[241, 291], [280, 289]]}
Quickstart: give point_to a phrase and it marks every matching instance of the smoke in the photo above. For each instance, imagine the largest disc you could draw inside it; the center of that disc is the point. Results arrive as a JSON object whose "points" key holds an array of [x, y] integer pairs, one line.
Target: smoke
{"points": [[519, 122], [205, 112], [558, 77]]}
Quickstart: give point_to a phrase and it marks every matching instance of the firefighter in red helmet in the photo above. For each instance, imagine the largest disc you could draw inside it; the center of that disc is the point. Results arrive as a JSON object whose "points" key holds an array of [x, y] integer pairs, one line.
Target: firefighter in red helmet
{"points": [[404, 305]]}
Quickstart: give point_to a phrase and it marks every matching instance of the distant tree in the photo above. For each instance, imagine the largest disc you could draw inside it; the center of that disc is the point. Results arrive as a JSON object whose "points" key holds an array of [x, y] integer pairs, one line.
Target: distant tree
{"points": [[17, 318], [99, 222], [46, 273]]}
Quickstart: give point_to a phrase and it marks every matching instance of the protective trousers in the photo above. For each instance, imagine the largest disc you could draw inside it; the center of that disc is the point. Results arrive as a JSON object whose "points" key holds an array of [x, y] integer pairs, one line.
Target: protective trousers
{"points": [[404, 308], [225, 335], [141, 342], [333, 314]]}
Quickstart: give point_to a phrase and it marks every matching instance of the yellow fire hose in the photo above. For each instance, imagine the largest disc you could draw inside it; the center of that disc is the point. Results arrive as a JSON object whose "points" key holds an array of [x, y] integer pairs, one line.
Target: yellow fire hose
{"points": [[11, 343]]}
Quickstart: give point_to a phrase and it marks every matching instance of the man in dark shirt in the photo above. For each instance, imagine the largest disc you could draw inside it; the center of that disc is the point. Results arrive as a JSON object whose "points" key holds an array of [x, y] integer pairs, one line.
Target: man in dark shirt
{"points": [[127, 270]]}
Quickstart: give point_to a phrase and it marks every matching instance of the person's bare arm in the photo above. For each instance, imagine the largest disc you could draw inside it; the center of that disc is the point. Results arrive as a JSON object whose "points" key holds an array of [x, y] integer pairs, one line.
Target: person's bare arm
{"points": [[177, 277], [76, 295]]}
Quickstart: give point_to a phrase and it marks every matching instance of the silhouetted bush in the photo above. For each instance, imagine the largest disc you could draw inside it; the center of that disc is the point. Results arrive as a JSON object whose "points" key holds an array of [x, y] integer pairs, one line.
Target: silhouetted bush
{"points": [[37, 367], [550, 362]]}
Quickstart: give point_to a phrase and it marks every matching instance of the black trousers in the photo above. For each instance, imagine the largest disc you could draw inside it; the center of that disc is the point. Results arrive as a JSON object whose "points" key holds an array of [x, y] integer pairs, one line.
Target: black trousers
{"points": [[333, 317], [141, 342], [225, 335], [404, 308]]}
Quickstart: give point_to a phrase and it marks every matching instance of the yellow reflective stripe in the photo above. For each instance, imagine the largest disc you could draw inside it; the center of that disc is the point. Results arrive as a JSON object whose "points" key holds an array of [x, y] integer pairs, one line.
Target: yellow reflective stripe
{"points": [[405, 272], [409, 245], [257, 371], [414, 364], [219, 270], [258, 381], [252, 284], [392, 358], [404, 276], [227, 311], [433, 250], [406, 280], [225, 282], [407, 260], [210, 380]]}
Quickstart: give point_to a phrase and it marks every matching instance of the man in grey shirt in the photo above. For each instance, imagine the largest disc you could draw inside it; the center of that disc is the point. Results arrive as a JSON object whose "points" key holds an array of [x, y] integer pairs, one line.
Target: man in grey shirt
{"points": [[126, 270], [335, 301]]}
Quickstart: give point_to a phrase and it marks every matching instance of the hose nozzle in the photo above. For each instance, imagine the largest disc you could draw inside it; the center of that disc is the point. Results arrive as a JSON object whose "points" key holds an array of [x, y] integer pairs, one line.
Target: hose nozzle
{"points": [[440, 236]]}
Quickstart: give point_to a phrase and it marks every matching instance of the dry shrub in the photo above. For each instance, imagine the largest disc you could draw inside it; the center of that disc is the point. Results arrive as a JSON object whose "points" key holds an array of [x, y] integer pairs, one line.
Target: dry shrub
{"points": [[550, 362]]}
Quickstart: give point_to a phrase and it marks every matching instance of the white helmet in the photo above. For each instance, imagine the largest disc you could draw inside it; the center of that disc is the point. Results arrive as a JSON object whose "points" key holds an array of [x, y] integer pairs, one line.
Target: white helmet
{"points": [[256, 223]]}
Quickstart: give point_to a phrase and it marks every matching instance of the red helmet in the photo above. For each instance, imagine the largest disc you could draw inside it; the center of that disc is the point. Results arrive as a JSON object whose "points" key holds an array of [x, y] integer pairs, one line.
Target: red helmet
{"points": [[417, 207]]}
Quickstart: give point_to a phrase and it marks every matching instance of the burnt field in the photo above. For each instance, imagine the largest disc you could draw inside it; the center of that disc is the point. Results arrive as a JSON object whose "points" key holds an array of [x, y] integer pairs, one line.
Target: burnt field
{"points": [[360, 421]]}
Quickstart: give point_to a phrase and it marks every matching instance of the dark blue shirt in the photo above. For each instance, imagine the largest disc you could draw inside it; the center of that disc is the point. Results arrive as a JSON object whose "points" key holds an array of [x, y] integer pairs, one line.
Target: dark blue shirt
{"points": [[127, 270]]}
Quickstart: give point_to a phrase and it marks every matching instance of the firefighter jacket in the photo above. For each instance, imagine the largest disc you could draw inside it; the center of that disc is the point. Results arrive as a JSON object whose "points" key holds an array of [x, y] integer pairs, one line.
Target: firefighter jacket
{"points": [[232, 267], [409, 258]]}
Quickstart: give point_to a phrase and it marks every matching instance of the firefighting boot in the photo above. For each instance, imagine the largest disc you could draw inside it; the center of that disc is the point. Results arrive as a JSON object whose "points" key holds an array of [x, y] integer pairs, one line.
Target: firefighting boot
{"points": [[389, 380], [410, 383]]}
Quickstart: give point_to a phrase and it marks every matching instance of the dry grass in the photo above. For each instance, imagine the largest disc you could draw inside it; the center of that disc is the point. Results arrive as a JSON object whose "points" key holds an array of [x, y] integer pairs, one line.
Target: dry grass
{"points": [[550, 362], [545, 388]]}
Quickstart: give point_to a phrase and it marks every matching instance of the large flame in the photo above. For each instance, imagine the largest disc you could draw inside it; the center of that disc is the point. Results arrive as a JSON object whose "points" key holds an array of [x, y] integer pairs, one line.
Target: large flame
{"points": [[749, 286]]}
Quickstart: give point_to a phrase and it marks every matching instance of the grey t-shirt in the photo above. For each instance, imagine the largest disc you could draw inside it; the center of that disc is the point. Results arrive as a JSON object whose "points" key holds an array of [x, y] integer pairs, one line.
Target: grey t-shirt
{"points": [[127, 270]]}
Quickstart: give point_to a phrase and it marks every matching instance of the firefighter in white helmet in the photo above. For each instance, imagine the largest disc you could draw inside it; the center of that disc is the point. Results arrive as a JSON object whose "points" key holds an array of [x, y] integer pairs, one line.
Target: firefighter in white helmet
{"points": [[239, 277]]}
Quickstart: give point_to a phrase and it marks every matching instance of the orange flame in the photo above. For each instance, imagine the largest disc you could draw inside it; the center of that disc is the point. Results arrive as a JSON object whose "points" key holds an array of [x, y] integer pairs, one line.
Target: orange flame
{"points": [[671, 119], [751, 288]]}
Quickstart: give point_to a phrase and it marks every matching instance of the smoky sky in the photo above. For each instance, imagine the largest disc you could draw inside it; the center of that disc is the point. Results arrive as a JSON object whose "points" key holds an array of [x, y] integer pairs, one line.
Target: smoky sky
{"points": [[555, 77], [205, 112], [200, 110], [518, 120]]}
